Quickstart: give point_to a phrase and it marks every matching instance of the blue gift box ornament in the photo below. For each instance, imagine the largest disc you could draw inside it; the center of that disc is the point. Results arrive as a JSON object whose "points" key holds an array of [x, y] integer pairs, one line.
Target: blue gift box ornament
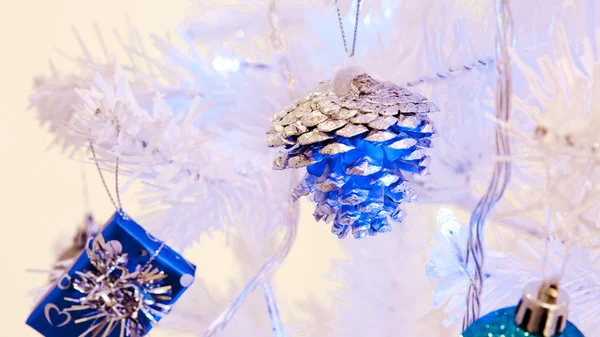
{"points": [[122, 283]]}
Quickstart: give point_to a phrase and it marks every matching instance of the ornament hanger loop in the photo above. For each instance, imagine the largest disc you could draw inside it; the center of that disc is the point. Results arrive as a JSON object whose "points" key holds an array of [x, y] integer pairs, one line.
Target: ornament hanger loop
{"points": [[116, 202], [339, 13]]}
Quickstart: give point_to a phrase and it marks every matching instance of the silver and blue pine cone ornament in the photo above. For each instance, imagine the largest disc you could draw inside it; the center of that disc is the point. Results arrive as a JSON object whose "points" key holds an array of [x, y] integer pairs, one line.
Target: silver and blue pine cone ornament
{"points": [[542, 312], [356, 147]]}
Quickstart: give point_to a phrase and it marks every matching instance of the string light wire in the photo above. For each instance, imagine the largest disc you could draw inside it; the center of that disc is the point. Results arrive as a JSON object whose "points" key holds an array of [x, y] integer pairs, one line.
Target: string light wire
{"points": [[502, 168]]}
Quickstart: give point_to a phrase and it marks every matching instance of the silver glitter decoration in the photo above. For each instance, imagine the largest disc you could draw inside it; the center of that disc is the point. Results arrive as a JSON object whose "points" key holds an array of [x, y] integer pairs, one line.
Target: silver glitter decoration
{"points": [[277, 140], [344, 114], [313, 137], [301, 160], [332, 124], [313, 119], [403, 144], [364, 118], [383, 123], [336, 148], [117, 297], [363, 167], [275, 128], [351, 130], [380, 136], [294, 129], [302, 110], [356, 149]]}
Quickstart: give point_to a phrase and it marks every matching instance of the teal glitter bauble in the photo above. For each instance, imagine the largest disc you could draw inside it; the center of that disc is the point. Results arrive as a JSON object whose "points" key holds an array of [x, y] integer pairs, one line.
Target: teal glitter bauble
{"points": [[501, 323]]}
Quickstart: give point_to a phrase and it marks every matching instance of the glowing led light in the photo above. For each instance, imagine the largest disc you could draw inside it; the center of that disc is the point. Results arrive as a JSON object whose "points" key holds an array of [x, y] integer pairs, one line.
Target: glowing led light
{"points": [[387, 13], [448, 223], [225, 64]]}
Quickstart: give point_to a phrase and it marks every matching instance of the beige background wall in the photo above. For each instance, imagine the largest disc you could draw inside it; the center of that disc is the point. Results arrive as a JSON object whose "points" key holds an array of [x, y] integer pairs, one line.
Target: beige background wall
{"points": [[41, 196]]}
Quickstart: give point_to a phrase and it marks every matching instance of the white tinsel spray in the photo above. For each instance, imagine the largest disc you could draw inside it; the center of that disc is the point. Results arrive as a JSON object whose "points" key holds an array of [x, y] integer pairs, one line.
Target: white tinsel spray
{"points": [[385, 292], [508, 273], [561, 149]]}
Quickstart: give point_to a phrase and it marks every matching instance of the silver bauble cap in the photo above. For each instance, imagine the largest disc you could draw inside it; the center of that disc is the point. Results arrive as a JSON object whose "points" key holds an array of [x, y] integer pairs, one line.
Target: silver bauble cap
{"points": [[543, 309]]}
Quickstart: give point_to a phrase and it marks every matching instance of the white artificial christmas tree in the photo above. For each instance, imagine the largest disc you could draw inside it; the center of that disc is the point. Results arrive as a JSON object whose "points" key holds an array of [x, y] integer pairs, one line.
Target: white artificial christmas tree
{"points": [[192, 134]]}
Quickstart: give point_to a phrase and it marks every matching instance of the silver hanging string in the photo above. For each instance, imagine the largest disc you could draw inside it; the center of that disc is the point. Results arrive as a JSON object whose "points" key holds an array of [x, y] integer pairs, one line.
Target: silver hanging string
{"points": [[339, 14], [117, 203], [502, 167]]}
